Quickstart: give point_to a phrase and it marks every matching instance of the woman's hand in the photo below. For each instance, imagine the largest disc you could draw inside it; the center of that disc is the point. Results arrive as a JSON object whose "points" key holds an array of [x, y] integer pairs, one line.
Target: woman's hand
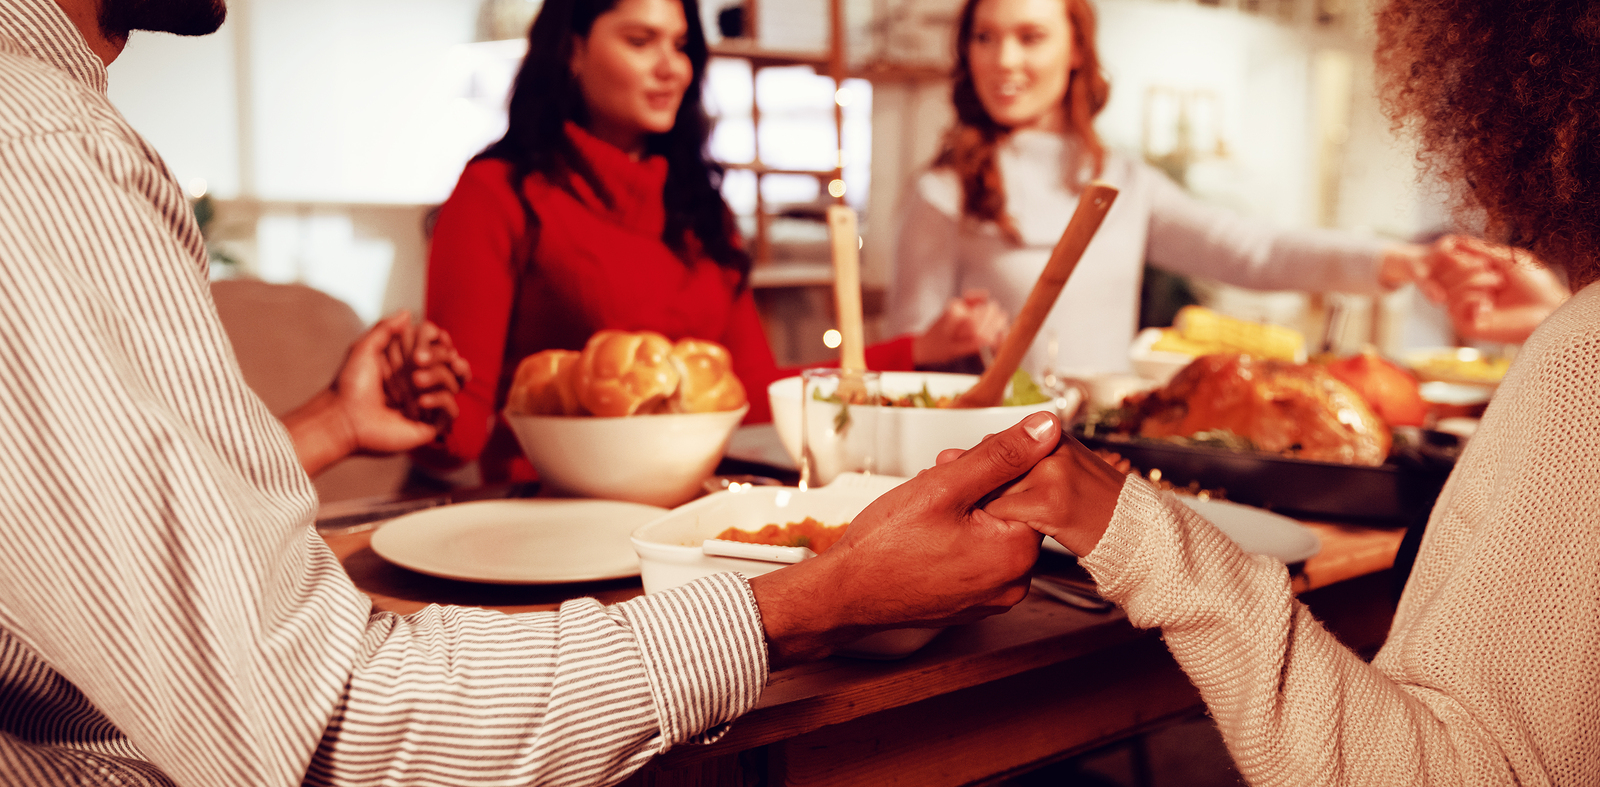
{"points": [[969, 325], [1069, 496], [1493, 292], [394, 392]]}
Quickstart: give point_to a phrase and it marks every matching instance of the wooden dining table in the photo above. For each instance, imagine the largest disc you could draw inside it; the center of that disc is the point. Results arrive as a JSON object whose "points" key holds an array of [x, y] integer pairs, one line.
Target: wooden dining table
{"points": [[981, 702]]}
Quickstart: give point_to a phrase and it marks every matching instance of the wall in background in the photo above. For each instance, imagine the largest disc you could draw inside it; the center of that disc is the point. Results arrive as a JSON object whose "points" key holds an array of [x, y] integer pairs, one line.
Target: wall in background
{"points": [[327, 127]]}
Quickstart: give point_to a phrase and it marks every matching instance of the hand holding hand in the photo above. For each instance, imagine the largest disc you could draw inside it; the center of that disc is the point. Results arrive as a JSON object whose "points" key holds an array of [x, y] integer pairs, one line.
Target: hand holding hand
{"points": [[394, 376], [1069, 496], [968, 325], [925, 554], [1494, 293]]}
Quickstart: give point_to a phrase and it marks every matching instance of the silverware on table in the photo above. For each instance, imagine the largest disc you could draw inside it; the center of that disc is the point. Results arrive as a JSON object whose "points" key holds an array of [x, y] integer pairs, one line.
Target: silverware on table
{"points": [[1071, 596]]}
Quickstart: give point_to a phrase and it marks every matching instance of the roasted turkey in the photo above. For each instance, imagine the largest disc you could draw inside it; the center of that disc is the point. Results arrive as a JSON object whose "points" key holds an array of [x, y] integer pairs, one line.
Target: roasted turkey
{"points": [[1281, 407]]}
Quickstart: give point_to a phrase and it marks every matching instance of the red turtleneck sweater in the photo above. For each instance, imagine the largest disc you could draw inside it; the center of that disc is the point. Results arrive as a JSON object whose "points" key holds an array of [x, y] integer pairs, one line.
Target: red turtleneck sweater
{"points": [[595, 267]]}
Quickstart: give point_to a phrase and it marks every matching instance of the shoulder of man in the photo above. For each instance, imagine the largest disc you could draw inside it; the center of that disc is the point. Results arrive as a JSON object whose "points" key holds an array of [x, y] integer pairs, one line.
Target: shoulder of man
{"points": [[39, 99]]}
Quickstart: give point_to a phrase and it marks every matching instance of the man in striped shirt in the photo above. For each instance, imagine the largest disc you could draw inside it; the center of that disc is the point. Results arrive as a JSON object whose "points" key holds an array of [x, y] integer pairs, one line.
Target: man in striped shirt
{"points": [[169, 616]]}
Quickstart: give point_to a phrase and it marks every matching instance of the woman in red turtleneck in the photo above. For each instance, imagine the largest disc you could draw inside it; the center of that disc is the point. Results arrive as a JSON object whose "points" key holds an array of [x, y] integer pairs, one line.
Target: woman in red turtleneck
{"points": [[598, 209]]}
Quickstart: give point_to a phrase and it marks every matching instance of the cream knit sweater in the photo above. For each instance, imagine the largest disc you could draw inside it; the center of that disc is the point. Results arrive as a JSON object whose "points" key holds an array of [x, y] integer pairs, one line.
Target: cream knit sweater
{"points": [[1491, 673]]}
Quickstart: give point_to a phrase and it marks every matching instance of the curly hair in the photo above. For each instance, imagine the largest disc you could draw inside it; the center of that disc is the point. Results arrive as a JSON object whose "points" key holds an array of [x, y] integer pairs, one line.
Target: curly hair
{"points": [[969, 147], [1504, 98]]}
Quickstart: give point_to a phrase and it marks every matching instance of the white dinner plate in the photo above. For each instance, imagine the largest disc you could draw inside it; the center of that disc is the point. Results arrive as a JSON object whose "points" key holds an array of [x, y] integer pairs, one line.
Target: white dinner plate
{"points": [[518, 542], [1255, 530]]}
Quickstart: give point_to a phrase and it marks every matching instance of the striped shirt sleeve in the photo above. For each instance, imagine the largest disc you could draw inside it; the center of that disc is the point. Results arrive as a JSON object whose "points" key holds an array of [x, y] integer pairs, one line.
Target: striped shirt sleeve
{"points": [[167, 613]]}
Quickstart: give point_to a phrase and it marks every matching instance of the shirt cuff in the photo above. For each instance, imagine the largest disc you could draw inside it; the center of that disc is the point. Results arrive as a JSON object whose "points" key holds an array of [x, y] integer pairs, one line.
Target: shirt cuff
{"points": [[1114, 561], [704, 653]]}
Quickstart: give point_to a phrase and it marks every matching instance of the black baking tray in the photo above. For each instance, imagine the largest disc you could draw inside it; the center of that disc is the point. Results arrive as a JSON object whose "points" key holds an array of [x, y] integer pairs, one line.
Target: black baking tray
{"points": [[1396, 492]]}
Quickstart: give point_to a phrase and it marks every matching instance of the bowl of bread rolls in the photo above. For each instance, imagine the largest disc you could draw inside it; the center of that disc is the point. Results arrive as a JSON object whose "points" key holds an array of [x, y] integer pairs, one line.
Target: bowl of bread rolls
{"points": [[632, 416]]}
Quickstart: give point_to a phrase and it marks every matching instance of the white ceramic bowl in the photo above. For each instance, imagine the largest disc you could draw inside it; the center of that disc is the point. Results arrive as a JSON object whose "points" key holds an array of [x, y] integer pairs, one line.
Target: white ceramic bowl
{"points": [[1158, 366], [910, 438], [658, 460], [670, 547]]}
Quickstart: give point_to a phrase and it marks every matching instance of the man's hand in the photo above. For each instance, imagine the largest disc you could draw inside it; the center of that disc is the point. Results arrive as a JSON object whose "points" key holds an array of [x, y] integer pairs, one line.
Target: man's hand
{"points": [[925, 554], [969, 324], [396, 387]]}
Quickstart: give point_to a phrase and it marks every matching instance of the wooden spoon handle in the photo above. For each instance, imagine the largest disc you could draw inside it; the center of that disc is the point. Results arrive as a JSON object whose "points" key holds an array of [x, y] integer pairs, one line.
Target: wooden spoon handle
{"points": [[1092, 206], [847, 286]]}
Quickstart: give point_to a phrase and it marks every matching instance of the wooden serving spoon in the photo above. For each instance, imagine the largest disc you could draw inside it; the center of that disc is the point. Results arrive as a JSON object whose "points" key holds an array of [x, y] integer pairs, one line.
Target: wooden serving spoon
{"points": [[847, 301], [1092, 206]]}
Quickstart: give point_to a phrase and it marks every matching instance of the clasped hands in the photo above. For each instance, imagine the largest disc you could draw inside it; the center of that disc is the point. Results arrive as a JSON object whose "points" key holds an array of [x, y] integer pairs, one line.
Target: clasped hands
{"points": [[395, 391], [954, 544], [1493, 293]]}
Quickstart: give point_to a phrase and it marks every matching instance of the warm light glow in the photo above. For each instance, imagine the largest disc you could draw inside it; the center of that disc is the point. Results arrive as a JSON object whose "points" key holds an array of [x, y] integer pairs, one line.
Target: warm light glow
{"points": [[842, 96], [197, 188], [836, 188], [832, 338], [861, 242]]}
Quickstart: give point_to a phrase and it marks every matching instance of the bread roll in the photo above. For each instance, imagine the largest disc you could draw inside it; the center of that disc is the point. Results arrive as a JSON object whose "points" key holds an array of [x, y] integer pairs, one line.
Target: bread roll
{"points": [[707, 382], [543, 384], [626, 373]]}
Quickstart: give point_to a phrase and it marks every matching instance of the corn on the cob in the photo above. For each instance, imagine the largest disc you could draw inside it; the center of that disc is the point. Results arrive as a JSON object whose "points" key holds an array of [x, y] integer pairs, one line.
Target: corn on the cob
{"points": [[1199, 328]]}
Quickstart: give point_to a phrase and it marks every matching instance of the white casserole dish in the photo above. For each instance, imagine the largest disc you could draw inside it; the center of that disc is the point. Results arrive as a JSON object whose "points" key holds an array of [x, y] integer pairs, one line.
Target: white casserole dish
{"points": [[671, 554]]}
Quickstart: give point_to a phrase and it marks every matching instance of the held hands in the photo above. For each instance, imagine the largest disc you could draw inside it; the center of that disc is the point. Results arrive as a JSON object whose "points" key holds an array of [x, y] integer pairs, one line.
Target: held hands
{"points": [[925, 554], [969, 324], [395, 391], [1493, 292], [1069, 496]]}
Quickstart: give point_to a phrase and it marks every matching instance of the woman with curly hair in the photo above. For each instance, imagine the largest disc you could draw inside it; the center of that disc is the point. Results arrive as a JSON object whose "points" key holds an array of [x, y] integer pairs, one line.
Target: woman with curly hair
{"points": [[600, 209], [1491, 671], [1027, 87]]}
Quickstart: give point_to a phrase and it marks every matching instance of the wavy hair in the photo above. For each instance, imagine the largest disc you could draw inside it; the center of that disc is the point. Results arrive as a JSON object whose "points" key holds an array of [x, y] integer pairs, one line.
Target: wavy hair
{"points": [[969, 147], [1504, 99], [546, 95]]}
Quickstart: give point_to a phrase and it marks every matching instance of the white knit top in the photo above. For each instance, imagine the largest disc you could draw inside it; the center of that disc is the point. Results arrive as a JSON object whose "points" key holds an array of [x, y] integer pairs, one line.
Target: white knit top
{"points": [[1491, 673], [939, 255]]}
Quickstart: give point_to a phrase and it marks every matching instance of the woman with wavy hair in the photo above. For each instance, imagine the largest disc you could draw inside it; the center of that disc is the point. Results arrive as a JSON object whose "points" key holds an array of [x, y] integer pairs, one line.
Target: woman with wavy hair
{"points": [[1027, 86], [600, 209], [1491, 670]]}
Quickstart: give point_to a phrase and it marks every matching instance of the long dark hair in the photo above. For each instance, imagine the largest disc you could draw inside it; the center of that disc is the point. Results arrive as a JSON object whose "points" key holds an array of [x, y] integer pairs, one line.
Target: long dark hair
{"points": [[969, 147], [546, 95]]}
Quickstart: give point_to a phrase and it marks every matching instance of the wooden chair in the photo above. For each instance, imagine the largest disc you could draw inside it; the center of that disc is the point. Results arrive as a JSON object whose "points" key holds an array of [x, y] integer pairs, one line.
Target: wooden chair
{"points": [[290, 340]]}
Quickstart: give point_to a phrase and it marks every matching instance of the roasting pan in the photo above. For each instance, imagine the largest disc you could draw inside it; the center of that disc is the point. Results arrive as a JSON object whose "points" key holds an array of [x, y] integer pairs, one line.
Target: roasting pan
{"points": [[1396, 492]]}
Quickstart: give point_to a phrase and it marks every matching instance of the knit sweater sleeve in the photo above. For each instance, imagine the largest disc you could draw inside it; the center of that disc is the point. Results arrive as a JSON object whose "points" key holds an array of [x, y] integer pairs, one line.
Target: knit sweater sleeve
{"points": [[1491, 673]]}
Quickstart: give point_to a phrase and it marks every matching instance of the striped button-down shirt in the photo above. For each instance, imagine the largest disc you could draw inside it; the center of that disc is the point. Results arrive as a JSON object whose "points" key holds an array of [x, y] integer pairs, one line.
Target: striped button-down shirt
{"points": [[167, 612]]}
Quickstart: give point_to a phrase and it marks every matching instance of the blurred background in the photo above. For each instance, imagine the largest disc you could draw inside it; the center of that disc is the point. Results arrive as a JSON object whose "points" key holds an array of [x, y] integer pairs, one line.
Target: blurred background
{"points": [[316, 135]]}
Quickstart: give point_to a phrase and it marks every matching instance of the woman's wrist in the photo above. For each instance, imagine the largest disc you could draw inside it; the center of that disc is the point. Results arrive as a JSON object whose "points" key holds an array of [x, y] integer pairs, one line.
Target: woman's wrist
{"points": [[1402, 264]]}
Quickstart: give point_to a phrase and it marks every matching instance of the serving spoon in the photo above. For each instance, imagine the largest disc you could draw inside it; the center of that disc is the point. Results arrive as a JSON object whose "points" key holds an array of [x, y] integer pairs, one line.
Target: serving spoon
{"points": [[1092, 206]]}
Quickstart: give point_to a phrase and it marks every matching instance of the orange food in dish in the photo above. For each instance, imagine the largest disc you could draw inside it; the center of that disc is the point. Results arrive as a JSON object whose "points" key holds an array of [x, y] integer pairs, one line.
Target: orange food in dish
{"points": [[806, 533]]}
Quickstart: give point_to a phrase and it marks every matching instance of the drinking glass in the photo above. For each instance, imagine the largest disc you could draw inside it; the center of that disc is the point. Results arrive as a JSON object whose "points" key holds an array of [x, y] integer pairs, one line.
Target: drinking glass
{"points": [[836, 435]]}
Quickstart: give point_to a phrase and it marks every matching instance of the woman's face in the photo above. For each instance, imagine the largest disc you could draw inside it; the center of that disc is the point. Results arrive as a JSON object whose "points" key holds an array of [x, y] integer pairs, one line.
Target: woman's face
{"points": [[633, 71], [1021, 55]]}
